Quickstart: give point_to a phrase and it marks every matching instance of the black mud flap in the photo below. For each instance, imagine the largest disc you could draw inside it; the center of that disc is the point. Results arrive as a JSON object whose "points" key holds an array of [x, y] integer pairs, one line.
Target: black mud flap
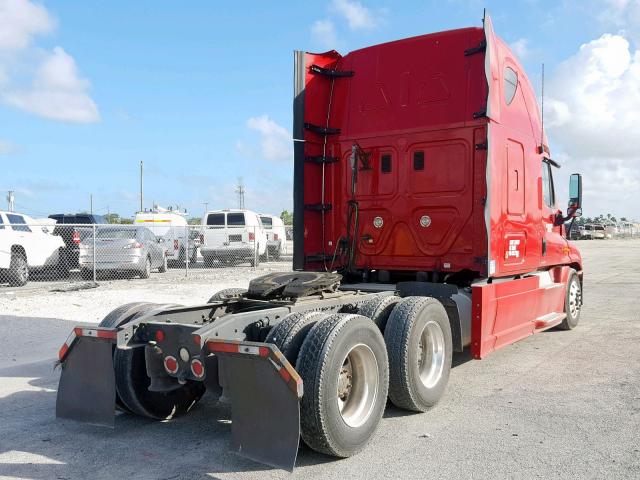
{"points": [[87, 389], [265, 392]]}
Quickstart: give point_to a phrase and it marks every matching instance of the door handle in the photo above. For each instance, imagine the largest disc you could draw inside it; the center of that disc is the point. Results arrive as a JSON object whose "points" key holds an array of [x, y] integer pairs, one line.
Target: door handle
{"points": [[544, 246]]}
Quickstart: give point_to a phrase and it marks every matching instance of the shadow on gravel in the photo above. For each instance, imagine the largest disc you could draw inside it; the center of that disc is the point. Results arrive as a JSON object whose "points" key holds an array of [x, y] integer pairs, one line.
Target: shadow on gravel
{"points": [[36, 445]]}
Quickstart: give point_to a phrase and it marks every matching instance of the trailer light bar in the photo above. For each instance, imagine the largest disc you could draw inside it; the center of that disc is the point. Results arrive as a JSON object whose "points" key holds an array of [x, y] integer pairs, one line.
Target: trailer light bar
{"points": [[107, 334], [267, 351], [226, 347]]}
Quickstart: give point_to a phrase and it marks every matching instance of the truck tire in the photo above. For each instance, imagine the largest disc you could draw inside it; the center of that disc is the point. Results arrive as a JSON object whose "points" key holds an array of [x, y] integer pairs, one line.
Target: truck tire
{"points": [[87, 274], [18, 269], [115, 318], [132, 381], [379, 309], [226, 294], [418, 338], [572, 303], [343, 364], [290, 333]]}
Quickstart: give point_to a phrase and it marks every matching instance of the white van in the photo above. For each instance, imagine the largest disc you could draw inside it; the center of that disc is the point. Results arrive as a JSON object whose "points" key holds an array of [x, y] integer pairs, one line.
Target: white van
{"points": [[276, 235], [232, 236], [172, 226]]}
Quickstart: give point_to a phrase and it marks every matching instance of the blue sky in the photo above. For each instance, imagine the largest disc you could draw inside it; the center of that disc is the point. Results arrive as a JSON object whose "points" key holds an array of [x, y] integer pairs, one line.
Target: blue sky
{"points": [[201, 91]]}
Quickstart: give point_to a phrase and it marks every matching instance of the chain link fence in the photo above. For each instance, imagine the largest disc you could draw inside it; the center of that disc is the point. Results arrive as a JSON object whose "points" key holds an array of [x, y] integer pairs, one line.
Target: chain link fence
{"points": [[73, 253]]}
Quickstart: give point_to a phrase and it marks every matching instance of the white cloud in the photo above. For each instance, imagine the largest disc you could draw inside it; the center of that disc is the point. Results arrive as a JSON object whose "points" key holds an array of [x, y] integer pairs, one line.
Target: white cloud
{"points": [[357, 15], [593, 110], [324, 33], [20, 21], [275, 140], [521, 48], [57, 92]]}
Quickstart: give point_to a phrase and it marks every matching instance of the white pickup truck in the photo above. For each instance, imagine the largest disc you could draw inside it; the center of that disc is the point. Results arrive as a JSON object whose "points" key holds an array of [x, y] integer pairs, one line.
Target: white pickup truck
{"points": [[25, 246]]}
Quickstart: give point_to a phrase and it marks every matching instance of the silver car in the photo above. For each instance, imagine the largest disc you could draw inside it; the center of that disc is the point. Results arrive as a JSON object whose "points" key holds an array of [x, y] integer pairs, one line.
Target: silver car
{"points": [[123, 249]]}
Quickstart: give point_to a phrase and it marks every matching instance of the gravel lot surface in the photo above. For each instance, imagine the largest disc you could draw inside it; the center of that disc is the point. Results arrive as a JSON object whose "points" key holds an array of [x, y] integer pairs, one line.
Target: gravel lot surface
{"points": [[555, 405]]}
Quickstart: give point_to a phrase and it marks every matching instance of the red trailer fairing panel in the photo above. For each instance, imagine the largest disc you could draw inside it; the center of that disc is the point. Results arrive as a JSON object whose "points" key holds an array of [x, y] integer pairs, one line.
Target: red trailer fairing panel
{"points": [[450, 173], [412, 111]]}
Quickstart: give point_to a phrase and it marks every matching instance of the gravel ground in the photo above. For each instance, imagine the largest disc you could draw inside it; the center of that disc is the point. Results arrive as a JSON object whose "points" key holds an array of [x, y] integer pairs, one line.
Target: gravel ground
{"points": [[555, 405]]}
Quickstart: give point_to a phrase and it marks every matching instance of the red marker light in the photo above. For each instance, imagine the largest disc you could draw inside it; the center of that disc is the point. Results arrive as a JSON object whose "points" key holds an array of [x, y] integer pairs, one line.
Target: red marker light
{"points": [[197, 368], [197, 340], [159, 336], [171, 364]]}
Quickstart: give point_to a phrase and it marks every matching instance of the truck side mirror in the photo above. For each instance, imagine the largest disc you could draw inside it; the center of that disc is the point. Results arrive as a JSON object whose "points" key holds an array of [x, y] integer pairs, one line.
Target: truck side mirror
{"points": [[575, 195]]}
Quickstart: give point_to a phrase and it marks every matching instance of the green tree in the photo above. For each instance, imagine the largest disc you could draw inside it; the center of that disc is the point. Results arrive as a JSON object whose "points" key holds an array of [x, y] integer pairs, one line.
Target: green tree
{"points": [[194, 221], [287, 217]]}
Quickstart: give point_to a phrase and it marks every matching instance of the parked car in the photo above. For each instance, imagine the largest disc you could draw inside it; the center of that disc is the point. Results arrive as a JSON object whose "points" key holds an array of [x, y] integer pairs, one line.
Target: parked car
{"points": [[70, 227], [121, 248], [599, 232], [25, 247], [276, 235], [173, 227], [232, 236]]}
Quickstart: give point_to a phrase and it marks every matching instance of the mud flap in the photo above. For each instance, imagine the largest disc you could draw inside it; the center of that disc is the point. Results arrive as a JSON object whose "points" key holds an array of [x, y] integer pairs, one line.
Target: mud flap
{"points": [[87, 390], [265, 392]]}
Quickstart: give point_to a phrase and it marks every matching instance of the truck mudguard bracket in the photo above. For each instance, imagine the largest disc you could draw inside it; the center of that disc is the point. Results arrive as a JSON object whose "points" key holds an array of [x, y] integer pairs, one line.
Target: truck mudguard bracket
{"points": [[473, 50], [331, 73], [320, 159], [265, 392], [321, 130], [318, 207]]}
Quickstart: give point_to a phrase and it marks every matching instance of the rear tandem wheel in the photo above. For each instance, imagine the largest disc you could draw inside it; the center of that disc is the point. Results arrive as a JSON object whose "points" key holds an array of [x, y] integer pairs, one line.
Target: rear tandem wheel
{"points": [[343, 364], [132, 382]]}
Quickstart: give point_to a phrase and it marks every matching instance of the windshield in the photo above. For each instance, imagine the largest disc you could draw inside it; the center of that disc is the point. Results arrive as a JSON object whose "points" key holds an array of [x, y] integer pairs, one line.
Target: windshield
{"points": [[110, 233], [267, 222]]}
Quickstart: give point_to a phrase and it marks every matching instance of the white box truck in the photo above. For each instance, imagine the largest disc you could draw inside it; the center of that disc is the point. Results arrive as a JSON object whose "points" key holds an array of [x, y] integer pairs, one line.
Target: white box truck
{"points": [[180, 239]]}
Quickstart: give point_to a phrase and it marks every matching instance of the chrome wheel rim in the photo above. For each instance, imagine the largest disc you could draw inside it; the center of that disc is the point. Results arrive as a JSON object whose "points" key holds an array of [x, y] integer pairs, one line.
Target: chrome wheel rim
{"points": [[357, 385], [574, 298], [431, 354]]}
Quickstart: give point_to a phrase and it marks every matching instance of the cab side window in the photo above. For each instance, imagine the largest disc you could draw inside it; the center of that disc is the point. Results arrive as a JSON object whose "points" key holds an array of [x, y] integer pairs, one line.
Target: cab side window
{"points": [[1, 223], [548, 193], [18, 223]]}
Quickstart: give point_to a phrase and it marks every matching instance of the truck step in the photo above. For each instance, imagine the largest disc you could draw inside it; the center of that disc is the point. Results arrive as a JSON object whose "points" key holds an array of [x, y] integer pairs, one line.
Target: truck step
{"points": [[549, 320]]}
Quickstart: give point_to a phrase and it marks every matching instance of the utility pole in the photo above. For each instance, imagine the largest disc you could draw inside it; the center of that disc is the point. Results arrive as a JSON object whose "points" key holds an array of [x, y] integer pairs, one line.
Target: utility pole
{"points": [[10, 200], [91, 203], [240, 190], [141, 186], [206, 206]]}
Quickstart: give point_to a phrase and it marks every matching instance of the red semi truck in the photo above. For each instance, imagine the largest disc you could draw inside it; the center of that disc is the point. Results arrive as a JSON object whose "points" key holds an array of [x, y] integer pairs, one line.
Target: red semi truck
{"points": [[425, 222]]}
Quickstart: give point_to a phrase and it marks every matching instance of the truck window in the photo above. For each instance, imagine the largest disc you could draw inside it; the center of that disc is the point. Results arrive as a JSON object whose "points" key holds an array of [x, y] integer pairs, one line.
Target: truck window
{"points": [[18, 223], [385, 163], [548, 194], [510, 84], [235, 220], [418, 160], [267, 222], [215, 219], [1, 223]]}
